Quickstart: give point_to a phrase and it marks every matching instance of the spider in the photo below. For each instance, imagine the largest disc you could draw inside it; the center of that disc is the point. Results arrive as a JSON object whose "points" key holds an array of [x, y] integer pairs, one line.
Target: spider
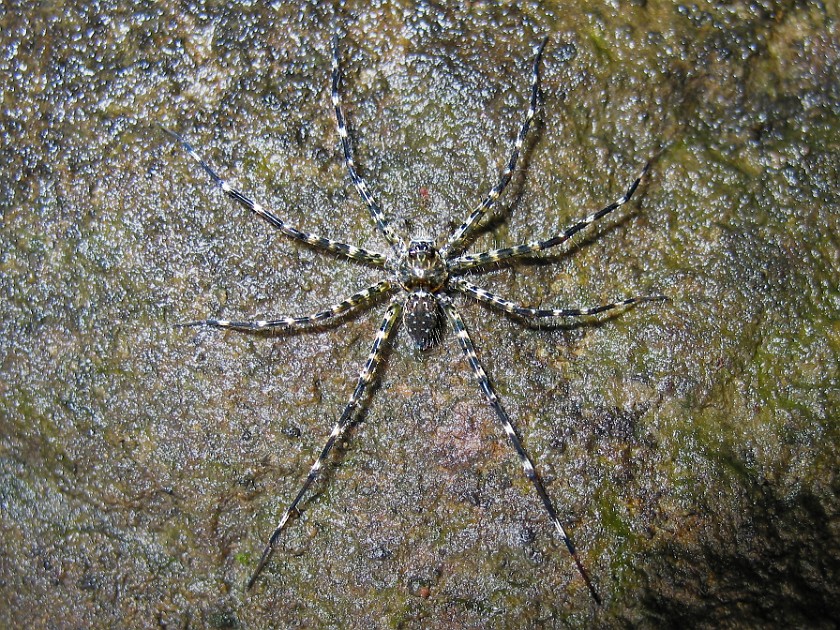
{"points": [[421, 280]]}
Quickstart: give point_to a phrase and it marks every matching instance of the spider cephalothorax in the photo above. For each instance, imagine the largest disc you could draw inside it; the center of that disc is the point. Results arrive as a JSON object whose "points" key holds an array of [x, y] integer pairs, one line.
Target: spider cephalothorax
{"points": [[421, 267], [421, 281]]}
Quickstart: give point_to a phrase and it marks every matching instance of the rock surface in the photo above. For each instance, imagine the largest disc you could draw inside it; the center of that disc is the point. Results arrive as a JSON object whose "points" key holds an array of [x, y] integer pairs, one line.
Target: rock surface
{"points": [[690, 445]]}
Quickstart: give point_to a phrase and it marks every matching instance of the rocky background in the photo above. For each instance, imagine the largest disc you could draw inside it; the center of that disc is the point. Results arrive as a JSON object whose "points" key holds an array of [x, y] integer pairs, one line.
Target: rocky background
{"points": [[691, 446]]}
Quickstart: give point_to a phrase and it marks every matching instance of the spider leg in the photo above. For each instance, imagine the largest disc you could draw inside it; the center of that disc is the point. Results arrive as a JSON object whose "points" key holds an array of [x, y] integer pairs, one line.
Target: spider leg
{"points": [[293, 323], [456, 241], [479, 294], [366, 376], [471, 261], [318, 242], [527, 465], [375, 211]]}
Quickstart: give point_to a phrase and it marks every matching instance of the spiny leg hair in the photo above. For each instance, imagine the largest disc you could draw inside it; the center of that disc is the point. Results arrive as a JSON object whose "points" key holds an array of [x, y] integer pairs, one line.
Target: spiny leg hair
{"points": [[356, 300], [472, 261], [366, 377], [375, 211], [318, 242], [468, 349], [481, 295], [456, 241]]}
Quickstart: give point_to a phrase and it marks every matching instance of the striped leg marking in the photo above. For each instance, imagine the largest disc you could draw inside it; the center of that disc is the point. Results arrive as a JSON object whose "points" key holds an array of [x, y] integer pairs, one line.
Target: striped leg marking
{"points": [[375, 211], [527, 465], [366, 376], [456, 241], [318, 242], [292, 323], [486, 297], [471, 261]]}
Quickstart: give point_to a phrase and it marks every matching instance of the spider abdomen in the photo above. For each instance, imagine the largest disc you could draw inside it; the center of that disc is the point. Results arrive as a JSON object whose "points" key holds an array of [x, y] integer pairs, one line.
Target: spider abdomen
{"points": [[422, 319]]}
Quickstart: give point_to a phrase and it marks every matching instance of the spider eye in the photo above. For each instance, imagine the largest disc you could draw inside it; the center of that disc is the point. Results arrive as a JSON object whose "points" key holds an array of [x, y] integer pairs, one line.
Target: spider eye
{"points": [[421, 246]]}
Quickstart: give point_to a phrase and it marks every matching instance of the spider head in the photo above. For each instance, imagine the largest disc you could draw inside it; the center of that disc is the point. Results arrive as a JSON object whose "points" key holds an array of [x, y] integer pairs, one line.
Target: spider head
{"points": [[421, 267]]}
